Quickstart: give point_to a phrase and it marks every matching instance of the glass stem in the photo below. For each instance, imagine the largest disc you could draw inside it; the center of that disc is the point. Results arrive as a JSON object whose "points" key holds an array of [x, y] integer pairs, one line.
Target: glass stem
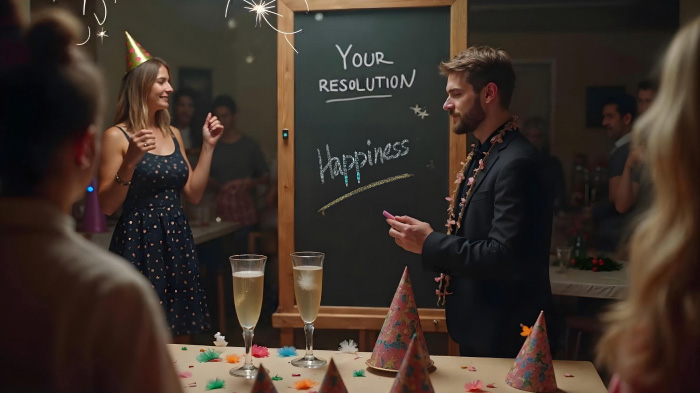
{"points": [[309, 333], [248, 340]]}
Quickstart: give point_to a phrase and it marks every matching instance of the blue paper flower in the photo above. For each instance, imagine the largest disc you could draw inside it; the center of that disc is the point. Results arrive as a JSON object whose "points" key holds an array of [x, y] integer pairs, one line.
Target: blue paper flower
{"points": [[286, 352]]}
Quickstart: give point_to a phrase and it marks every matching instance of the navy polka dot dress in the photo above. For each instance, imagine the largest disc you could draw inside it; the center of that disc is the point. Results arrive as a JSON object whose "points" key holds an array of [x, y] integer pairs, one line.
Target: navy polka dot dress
{"points": [[154, 234]]}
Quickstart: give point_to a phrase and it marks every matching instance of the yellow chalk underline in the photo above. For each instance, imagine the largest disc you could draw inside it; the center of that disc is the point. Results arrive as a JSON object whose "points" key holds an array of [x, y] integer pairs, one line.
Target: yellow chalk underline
{"points": [[364, 188]]}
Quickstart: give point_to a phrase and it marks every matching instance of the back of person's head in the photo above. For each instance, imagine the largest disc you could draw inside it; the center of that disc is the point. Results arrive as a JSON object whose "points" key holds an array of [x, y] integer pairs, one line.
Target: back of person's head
{"points": [[482, 65], [624, 104], [653, 338], [225, 101], [132, 102], [184, 92], [51, 99]]}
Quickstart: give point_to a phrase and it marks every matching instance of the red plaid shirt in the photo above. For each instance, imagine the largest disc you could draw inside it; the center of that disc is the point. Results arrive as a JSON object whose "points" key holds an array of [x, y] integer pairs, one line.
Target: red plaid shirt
{"points": [[238, 208]]}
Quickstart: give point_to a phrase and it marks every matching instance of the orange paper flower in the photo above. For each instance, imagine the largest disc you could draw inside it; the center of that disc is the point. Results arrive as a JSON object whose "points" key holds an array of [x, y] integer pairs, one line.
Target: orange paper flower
{"points": [[526, 330], [233, 358], [305, 384]]}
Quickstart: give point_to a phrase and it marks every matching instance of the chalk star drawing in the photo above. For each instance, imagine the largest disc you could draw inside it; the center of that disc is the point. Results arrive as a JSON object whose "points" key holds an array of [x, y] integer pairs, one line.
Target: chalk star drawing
{"points": [[102, 34], [416, 109], [423, 114], [261, 10]]}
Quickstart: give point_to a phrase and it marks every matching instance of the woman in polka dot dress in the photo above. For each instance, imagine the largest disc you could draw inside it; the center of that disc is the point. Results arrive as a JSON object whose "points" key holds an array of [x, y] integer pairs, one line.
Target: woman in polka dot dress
{"points": [[144, 168]]}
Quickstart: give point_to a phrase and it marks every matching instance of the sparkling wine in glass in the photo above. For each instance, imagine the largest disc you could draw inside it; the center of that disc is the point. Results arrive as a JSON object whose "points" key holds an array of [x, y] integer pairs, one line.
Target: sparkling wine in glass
{"points": [[248, 274], [308, 283]]}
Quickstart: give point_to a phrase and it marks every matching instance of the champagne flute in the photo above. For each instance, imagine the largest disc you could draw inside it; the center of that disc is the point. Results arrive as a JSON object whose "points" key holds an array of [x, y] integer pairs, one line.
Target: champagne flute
{"points": [[308, 282], [248, 274]]}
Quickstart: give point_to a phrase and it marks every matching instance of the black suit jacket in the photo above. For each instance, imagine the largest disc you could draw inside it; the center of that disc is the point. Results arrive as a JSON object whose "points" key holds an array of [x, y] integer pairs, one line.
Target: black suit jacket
{"points": [[499, 259]]}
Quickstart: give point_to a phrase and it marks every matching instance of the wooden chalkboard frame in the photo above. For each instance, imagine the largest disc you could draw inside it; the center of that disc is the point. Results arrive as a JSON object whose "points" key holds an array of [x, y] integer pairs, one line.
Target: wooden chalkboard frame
{"points": [[365, 319]]}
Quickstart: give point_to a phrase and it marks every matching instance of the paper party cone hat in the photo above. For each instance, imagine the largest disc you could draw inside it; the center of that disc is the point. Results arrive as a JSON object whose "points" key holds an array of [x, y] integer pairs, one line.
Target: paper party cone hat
{"points": [[332, 382], [413, 375], [263, 383], [135, 54], [532, 370], [401, 323]]}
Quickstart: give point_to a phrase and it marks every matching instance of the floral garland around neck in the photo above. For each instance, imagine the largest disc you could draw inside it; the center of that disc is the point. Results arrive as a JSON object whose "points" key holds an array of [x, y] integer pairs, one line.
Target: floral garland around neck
{"points": [[444, 280]]}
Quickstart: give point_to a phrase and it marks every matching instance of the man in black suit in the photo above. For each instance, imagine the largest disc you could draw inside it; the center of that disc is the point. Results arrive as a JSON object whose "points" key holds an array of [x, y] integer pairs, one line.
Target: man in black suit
{"points": [[497, 254]]}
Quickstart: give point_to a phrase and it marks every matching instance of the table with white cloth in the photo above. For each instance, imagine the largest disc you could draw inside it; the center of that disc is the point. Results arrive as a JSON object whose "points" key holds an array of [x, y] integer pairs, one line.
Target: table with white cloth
{"points": [[450, 373], [587, 283]]}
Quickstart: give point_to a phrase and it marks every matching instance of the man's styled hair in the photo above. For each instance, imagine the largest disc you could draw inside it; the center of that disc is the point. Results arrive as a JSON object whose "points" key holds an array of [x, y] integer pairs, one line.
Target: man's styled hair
{"points": [[625, 104], [647, 84], [482, 65]]}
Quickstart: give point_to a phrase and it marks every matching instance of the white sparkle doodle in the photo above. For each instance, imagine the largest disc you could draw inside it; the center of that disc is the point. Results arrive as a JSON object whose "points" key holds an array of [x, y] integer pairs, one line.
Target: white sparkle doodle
{"points": [[261, 9], [423, 114], [102, 34], [416, 109]]}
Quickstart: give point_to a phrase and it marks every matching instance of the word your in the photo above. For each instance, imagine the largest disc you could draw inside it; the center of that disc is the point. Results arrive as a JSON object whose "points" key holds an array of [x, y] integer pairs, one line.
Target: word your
{"points": [[336, 166], [379, 83]]}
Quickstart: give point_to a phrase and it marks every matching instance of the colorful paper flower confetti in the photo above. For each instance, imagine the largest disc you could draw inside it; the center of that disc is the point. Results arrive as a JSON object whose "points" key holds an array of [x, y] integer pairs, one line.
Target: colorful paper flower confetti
{"points": [[358, 373], [215, 384], [491, 385], [474, 386], [276, 378], [569, 375], [296, 375], [209, 355], [184, 374], [526, 330], [233, 358], [305, 384], [184, 348], [286, 351], [348, 346], [258, 351]]}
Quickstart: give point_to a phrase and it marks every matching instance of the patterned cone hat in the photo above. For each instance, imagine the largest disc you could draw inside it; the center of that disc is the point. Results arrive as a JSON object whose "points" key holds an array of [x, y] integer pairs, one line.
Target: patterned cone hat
{"points": [[533, 370], [332, 382], [413, 375], [263, 383], [401, 323], [135, 54]]}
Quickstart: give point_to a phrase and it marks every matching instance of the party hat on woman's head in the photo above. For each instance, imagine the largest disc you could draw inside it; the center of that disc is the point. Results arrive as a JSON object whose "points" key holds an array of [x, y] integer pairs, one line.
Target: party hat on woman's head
{"points": [[135, 54]]}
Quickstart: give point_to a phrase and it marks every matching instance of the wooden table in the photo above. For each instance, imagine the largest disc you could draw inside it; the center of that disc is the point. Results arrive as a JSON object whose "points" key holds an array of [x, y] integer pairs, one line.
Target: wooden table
{"points": [[447, 376]]}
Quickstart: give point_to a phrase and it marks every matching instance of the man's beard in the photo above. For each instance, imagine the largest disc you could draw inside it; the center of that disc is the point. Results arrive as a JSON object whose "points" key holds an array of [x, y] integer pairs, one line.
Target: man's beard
{"points": [[471, 120]]}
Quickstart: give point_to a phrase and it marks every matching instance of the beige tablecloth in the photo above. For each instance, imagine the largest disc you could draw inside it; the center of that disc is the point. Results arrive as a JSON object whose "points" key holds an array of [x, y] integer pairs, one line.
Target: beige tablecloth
{"points": [[448, 376]]}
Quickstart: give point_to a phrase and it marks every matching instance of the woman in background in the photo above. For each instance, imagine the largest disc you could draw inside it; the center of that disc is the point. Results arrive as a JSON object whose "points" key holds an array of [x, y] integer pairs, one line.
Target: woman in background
{"points": [[652, 340], [145, 169], [75, 317]]}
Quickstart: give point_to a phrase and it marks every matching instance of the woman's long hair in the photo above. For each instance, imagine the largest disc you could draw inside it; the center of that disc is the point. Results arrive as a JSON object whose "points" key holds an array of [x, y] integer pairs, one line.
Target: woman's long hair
{"points": [[652, 338], [132, 103]]}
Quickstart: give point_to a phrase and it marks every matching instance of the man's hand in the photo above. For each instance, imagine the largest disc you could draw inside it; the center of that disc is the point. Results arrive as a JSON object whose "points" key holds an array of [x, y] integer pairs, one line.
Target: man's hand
{"points": [[409, 233]]}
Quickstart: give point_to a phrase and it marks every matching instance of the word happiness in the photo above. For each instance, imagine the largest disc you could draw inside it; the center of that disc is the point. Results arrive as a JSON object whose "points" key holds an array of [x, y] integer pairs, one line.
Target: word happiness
{"points": [[336, 166], [365, 84]]}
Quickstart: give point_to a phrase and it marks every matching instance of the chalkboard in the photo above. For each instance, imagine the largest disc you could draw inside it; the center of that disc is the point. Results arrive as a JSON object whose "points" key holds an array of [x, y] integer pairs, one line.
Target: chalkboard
{"points": [[362, 100], [369, 128]]}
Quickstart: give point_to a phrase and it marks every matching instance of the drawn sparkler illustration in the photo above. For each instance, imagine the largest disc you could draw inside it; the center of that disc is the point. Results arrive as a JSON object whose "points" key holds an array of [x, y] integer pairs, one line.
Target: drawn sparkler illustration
{"points": [[102, 34], [263, 8]]}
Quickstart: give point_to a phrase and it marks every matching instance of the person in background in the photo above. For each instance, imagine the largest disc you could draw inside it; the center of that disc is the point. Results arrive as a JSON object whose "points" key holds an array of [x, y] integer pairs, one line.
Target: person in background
{"points": [[618, 115], [535, 129], [75, 317], [183, 109], [238, 168], [144, 169], [652, 338], [632, 186], [494, 260]]}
